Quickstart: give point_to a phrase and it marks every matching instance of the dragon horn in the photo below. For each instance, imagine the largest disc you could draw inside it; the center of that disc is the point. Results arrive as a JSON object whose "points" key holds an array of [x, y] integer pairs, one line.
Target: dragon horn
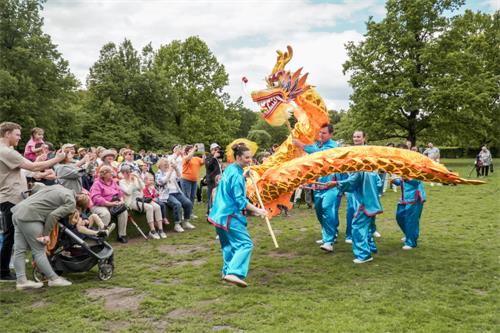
{"points": [[283, 59], [302, 80]]}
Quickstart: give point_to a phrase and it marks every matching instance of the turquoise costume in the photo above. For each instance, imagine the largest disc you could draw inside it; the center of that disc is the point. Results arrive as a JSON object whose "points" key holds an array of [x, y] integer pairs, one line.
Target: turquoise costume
{"points": [[326, 201], [349, 215], [410, 209], [227, 215], [364, 187]]}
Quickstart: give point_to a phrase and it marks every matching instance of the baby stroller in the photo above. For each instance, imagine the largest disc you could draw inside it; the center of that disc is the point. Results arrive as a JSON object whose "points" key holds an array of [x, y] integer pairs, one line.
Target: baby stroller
{"points": [[67, 252]]}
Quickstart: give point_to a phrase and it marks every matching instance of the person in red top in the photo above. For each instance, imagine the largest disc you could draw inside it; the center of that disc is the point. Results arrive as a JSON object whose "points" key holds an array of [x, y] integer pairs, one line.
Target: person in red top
{"points": [[149, 191], [191, 166]]}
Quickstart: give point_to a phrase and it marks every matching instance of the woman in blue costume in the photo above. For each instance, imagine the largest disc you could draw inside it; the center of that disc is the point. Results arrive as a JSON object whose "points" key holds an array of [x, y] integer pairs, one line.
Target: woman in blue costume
{"points": [[410, 209], [229, 219], [364, 187]]}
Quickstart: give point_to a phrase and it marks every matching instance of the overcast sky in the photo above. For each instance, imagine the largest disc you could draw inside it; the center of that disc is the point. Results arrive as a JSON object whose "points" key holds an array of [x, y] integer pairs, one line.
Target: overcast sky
{"points": [[243, 35]]}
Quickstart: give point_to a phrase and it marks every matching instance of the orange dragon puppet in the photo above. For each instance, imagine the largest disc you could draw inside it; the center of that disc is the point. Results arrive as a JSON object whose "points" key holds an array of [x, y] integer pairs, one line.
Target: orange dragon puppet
{"points": [[288, 94]]}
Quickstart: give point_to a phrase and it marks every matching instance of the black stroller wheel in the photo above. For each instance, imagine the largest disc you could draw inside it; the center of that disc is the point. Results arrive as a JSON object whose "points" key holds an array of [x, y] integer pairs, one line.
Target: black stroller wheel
{"points": [[105, 272], [38, 276]]}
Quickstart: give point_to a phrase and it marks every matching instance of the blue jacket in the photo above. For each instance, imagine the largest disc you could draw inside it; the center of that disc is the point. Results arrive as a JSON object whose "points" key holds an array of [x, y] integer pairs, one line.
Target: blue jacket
{"points": [[365, 188], [230, 198], [412, 191]]}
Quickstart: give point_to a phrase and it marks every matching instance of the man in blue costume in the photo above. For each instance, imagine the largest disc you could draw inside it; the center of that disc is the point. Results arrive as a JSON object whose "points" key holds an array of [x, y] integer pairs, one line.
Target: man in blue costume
{"points": [[364, 189], [358, 139], [410, 209], [326, 200], [227, 214]]}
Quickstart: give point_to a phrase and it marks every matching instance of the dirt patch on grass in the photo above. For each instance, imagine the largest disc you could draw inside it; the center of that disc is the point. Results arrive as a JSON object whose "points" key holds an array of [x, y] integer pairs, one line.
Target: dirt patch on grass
{"points": [[175, 281], [116, 298], [181, 314], [280, 255], [195, 263], [180, 250], [116, 325], [39, 304]]}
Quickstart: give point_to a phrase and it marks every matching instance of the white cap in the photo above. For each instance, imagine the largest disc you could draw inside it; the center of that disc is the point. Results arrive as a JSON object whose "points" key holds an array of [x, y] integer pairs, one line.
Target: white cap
{"points": [[214, 145]]}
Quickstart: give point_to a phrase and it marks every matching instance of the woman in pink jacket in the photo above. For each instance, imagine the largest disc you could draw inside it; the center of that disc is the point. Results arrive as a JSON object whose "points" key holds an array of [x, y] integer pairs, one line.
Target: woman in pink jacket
{"points": [[106, 194]]}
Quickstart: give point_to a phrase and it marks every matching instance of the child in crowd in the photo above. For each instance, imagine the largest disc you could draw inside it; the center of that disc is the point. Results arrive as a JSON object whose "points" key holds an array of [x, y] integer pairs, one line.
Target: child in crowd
{"points": [[150, 192], [36, 137], [83, 220]]}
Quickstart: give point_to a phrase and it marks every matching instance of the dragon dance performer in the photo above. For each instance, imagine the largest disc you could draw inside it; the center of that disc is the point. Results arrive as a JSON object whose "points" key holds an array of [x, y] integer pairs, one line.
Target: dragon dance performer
{"points": [[410, 209], [229, 219], [326, 199], [364, 187], [358, 139]]}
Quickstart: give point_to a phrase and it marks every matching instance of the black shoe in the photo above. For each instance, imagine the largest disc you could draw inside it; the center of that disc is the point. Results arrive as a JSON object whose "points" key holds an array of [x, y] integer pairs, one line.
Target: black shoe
{"points": [[8, 278], [122, 239]]}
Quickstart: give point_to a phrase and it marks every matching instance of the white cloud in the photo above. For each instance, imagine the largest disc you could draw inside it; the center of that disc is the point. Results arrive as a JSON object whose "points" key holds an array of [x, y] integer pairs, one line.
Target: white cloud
{"points": [[493, 4], [81, 28]]}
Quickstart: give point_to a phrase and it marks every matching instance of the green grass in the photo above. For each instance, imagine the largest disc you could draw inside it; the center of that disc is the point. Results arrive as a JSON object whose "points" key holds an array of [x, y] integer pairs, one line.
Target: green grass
{"points": [[449, 284]]}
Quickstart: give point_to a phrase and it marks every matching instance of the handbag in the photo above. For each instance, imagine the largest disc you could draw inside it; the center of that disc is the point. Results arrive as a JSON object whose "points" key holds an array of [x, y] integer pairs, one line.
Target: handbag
{"points": [[117, 210], [142, 201]]}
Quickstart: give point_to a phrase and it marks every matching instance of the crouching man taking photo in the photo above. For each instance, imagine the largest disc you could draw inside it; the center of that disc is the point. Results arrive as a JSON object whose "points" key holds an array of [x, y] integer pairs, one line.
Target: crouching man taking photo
{"points": [[34, 219]]}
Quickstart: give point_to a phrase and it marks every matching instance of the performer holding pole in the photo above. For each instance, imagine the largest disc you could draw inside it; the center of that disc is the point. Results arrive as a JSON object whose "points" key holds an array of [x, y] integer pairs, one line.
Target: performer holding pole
{"points": [[229, 219], [268, 223]]}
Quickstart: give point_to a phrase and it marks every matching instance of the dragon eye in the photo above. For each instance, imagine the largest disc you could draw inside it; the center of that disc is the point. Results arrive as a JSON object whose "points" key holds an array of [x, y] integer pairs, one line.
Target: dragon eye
{"points": [[276, 84]]}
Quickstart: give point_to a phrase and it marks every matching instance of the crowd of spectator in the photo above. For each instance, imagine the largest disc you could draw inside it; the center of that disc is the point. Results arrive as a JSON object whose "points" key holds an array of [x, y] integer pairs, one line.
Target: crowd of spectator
{"points": [[106, 185]]}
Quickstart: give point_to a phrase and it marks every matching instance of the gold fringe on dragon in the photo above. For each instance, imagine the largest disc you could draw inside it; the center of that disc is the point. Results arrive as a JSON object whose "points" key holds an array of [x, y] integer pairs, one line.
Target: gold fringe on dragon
{"points": [[288, 94]]}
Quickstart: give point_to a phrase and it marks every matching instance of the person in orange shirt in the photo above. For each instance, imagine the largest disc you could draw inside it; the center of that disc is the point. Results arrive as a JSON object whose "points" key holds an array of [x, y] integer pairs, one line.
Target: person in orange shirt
{"points": [[191, 166]]}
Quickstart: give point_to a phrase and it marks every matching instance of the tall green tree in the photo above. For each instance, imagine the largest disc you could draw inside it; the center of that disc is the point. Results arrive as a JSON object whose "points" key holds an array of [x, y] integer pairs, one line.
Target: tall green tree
{"points": [[122, 82], [37, 88], [204, 113], [397, 72], [467, 68]]}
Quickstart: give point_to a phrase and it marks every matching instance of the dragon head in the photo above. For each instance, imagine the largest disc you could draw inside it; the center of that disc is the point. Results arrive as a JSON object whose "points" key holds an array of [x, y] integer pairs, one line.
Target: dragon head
{"points": [[282, 88]]}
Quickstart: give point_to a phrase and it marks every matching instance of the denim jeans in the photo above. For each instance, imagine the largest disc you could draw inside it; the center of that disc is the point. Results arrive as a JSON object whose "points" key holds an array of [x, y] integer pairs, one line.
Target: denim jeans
{"points": [[178, 201], [163, 207], [189, 189]]}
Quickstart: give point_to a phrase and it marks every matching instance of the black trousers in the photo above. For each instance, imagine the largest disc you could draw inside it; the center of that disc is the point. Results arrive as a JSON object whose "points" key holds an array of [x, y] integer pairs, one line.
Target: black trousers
{"points": [[484, 170], [8, 238]]}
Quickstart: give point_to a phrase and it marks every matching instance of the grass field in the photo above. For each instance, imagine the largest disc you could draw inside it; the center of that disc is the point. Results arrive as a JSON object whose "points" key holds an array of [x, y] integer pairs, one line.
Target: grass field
{"points": [[450, 283]]}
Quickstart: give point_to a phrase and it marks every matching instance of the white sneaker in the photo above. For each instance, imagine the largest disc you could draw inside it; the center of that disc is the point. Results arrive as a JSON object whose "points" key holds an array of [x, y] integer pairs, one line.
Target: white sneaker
{"points": [[377, 234], [178, 228], [162, 234], [319, 241], [407, 248], [59, 282], [153, 235], [187, 225], [194, 216], [403, 239], [28, 284], [357, 261], [328, 247], [348, 241], [235, 280]]}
